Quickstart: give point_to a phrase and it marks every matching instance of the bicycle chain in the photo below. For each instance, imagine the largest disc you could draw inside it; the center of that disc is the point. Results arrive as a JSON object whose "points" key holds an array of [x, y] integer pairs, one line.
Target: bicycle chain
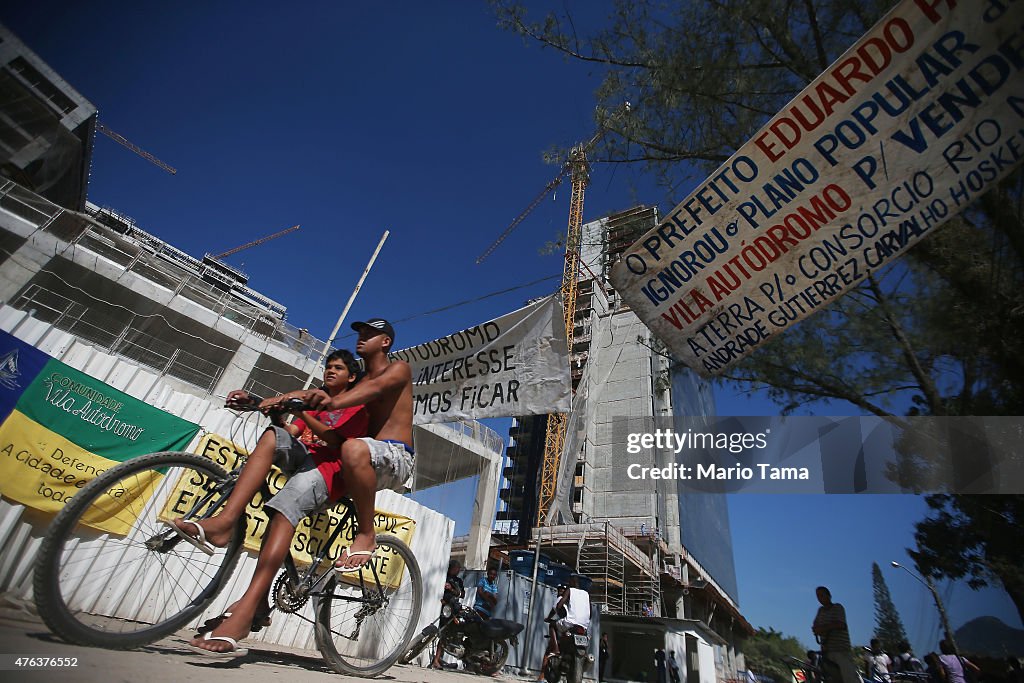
{"points": [[285, 598]]}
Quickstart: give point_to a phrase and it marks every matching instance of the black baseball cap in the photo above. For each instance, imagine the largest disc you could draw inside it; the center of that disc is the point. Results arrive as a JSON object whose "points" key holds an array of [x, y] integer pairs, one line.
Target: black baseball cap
{"points": [[379, 324]]}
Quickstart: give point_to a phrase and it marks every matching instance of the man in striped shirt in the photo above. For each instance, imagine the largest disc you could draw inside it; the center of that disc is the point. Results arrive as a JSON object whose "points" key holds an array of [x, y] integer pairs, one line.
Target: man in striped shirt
{"points": [[832, 633]]}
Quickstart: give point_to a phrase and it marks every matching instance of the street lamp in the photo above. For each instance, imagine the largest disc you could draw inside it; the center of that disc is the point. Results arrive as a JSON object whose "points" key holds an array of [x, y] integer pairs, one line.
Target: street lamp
{"points": [[938, 603]]}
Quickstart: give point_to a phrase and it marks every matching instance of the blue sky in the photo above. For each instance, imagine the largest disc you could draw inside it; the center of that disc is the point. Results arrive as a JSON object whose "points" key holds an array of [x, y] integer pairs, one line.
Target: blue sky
{"points": [[425, 119]]}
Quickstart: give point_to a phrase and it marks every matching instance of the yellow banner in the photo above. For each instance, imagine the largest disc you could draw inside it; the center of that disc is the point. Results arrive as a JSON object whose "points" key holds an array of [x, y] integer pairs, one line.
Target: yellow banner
{"points": [[311, 534], [43, 470]]}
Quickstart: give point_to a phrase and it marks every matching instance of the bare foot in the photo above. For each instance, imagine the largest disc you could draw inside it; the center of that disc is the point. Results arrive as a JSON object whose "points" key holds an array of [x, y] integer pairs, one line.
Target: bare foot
{"points": [[260, 620], [218, 532], [359, 553], [236, 627]]}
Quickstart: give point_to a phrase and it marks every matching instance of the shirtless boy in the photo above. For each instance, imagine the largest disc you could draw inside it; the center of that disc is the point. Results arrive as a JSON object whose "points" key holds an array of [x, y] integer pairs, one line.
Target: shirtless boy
{"points": [[384, 459]]}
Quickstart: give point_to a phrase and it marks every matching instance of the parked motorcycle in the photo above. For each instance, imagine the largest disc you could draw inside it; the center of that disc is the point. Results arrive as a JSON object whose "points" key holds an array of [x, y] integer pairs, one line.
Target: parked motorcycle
{"points": [[481, 644], [572, 658]]}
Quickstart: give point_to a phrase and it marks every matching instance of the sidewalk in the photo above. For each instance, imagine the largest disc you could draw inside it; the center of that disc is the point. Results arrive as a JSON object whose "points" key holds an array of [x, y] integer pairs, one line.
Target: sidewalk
{"points": [[23, 634]]}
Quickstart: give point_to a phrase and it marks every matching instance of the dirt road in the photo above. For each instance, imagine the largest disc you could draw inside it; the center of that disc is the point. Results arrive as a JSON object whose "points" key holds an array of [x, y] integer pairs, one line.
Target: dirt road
{"points": [[22, 634]]}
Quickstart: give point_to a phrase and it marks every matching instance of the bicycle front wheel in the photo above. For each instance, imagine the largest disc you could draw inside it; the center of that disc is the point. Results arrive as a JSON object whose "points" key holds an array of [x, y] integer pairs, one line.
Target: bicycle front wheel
{"points": [[364, 624], [111, 574]]}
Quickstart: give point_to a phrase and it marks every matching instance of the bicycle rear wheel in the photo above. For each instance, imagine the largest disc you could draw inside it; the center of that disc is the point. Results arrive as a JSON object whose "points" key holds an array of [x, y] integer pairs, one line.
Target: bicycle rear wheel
{"points": [[109, 574], [363, 627]]}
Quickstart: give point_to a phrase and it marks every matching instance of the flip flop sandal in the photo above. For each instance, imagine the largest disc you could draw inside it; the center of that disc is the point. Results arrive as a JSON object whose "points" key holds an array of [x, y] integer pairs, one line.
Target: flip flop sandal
{"points": [[354, 553], [199, 540], [234, 653]]}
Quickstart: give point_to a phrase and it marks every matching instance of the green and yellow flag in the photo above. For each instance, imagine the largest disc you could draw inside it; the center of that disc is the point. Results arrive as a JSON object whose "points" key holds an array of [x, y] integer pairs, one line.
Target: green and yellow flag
{"points": [[62, 428]]}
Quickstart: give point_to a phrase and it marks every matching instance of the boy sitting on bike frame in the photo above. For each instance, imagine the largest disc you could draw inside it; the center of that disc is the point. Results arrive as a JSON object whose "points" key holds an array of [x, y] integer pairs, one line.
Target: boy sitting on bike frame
{"points": [[309, 450]]}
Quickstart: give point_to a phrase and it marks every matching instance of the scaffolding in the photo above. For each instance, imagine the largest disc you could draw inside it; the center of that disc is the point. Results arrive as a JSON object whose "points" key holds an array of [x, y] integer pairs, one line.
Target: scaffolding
{"points": [[607, 568], [624, 577]]}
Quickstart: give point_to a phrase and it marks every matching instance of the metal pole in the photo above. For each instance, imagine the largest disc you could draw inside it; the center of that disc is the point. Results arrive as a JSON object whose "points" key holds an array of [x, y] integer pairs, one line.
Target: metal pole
{"points": [[528, 645], [341, 318]]}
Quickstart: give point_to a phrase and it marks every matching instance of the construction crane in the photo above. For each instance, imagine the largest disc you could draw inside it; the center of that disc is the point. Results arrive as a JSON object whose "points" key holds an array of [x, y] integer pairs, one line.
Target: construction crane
{"points": [[254, 243], [567, 169], [554, 438], [125, 142], [548, 189], [578, 169]]}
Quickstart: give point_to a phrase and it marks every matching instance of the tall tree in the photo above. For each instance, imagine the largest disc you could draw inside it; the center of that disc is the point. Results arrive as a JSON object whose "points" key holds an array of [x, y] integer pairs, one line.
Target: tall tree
{"points": [[888, 625], [941, 332], [977, 538]]}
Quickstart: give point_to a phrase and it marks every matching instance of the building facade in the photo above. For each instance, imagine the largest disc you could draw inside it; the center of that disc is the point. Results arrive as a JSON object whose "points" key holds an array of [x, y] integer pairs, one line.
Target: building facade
{"points": [[661, 563], [46, 127]]}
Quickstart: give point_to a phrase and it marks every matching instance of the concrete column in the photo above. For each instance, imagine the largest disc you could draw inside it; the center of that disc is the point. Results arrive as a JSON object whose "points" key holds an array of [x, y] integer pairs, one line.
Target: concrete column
{"points": [[21, 267], [238, 370], [478, 545]]}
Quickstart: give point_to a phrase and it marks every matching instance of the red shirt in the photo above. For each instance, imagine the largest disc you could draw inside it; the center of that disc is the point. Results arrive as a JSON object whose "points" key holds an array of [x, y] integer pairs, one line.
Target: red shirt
{"points": [[349, 423]]}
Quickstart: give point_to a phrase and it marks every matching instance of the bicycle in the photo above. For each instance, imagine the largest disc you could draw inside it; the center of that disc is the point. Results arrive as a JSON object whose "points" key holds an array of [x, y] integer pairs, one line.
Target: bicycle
{"points": [[80, 599], [814, 673], [827, 672]]}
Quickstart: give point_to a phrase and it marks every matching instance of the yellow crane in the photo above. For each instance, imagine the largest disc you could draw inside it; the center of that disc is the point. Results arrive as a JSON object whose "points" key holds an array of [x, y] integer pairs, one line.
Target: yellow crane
{"points": [[554, 438], [578, 169]]}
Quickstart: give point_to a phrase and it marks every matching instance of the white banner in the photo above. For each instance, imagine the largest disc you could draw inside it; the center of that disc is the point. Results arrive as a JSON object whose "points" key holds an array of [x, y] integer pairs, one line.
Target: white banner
{"points": [[517, 364], [914, 122]]}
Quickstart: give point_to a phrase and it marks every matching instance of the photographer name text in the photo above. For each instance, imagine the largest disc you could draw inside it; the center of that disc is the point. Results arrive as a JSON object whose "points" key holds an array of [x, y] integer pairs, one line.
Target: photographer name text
{"points": [[713, 472]]}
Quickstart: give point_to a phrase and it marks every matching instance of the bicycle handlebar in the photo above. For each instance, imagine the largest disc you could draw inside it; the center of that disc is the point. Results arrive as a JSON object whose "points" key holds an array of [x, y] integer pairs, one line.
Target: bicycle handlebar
{"points": [[253, 404]]}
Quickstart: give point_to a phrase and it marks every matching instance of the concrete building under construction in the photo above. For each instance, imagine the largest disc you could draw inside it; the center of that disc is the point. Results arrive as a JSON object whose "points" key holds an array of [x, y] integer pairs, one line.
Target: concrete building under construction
{"points": [[194, 323], [660, 562]]}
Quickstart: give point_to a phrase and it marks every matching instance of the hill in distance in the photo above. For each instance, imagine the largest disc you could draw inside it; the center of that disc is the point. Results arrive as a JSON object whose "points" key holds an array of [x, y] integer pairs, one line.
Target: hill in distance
{"points": [[989, 636]]}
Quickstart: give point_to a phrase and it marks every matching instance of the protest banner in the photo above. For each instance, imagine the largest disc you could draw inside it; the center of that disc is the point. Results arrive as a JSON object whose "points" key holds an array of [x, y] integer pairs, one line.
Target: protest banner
{"points": [[62, 428], [517, 364], [914, 122]]}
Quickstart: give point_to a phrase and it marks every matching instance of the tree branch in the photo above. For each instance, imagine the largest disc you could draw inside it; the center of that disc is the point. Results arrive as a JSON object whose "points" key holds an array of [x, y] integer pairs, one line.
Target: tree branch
{"points": [[817, 386], [816, 31], [931, 392], [523, 28]]}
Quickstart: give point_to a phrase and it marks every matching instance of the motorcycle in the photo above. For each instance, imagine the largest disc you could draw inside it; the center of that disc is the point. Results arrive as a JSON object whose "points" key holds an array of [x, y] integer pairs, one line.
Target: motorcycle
{"points": [[572, 658], [481, 644]]}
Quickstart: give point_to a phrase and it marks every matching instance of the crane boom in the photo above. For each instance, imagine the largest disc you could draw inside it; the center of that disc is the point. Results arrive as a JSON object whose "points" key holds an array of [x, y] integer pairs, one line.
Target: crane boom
{"points": [[254, 243], [566, 170], [125, 142], [525, 212], [554, 437]]}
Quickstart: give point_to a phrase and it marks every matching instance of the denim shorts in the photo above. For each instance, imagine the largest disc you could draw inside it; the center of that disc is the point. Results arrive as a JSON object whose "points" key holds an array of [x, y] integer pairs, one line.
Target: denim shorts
{"points": [[392, 461], [305, 493]]}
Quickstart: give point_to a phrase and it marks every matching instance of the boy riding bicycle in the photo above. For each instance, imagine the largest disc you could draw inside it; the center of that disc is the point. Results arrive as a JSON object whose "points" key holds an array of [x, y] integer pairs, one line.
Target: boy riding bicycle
{"points": [[308, 449], [384, 458], [368, 464]]}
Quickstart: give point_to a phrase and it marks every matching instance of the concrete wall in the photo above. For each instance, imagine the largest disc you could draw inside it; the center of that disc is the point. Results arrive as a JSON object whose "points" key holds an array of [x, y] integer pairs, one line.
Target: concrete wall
{"points": [[621, 387]]}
